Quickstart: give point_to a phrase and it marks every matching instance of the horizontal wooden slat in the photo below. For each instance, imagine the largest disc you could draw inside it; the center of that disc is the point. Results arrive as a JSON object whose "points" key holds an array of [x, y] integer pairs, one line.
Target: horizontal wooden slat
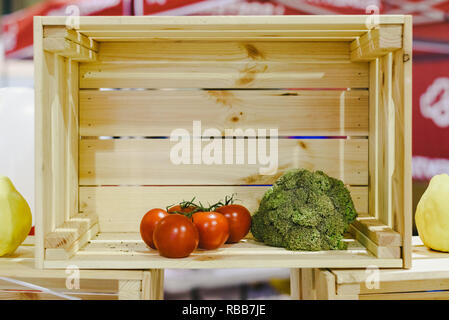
{"points": [[147, 162], [224, 75], [304, 22], [157, 113], [218, 51], [127, 251], [120, 209]]}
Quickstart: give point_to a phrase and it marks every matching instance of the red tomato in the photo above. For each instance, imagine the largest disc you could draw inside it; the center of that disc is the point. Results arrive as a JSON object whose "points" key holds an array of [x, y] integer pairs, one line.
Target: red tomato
{"points": [[148, 223], [179, 209], [175, 236], [213, 229], [239, 219]]}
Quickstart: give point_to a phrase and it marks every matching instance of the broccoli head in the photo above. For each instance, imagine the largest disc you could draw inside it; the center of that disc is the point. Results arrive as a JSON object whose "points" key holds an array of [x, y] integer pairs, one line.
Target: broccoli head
{"points": [[304, 210]]}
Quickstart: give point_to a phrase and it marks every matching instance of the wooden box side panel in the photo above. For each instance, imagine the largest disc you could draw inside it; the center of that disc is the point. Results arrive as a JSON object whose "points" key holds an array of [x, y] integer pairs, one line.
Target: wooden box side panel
{"points": [[56, 122]]}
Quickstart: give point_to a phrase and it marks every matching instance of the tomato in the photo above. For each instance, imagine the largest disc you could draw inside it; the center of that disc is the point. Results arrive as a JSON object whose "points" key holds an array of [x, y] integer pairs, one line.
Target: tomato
{"points": [[175, 236], [148, 223], [181, 209], [213, 229], [239, 219]]}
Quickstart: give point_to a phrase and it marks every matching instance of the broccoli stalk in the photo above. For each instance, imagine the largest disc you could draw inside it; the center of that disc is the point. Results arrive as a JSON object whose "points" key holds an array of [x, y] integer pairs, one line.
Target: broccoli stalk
{"points": [[304, 210]]}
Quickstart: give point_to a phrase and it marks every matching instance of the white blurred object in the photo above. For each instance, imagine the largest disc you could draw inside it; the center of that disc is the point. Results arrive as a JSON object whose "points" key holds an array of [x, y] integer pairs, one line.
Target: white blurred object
{"points": [[17, 139], [180, 280]]}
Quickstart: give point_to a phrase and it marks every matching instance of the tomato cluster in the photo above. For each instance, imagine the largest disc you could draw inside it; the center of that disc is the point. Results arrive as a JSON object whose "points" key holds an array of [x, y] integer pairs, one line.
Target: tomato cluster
{"points": [[179, 230]]}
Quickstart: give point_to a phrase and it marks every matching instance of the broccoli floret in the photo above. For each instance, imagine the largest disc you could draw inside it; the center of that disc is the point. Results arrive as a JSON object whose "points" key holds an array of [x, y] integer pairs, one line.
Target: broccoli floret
{"points": [[304, 210]]}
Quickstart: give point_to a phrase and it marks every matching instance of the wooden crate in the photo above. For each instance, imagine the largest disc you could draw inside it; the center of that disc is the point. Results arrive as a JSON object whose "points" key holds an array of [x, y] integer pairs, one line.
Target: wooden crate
{"points": [[427, 279], [93, 284], [308, 76]]}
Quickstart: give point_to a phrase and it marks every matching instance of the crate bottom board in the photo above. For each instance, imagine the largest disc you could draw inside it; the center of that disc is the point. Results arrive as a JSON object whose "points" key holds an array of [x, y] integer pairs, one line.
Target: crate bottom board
{"points": [[127, 251]]}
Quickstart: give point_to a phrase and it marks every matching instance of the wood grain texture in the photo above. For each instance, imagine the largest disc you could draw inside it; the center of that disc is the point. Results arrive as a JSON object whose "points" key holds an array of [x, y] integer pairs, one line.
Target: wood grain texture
{"points": [[376, 43], [402, 210], [127, 251], [378, 251], [304, 22], [153, 284], [219, 51], [378, 232], [120, 209], [224, 75], [158, 113], [147, 162]]}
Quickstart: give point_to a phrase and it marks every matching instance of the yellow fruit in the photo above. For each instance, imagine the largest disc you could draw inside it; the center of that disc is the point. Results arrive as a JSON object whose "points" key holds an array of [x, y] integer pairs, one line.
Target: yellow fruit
{"points": [[432, 214], [15, 217]]}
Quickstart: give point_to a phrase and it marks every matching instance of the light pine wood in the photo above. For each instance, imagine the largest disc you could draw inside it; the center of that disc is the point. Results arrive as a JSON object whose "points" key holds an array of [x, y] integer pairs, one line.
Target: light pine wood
{"points": [[120, 209], [166, 52], [426, 279], [295, 284], [257, 74], [71, 230], [153, 285], [376, 42], [158, 113], [93, 284], [73, 247], [373, 139], [386, 140], [147, 162], [59, 32], [325, 285], [129, 290], [307, 279], [218, 51], [43, 156], [69, 49], [72, 139], [317, 22], [402, 176], [127, 250], [378, 232], [378, 251]]}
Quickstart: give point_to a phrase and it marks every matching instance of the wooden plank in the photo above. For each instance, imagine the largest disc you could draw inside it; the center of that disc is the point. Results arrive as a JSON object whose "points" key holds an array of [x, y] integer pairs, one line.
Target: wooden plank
{"points": [[402, 210], [376, 43], [129, 290], [43, 154], [295, 284], [325, 285], [378, 232], [72, 35], [120, 209], [378, 251], [72, 139], [293, 112], [71, 230], [147, 162], [127, 251], [74, 247], [407, 286], [373, 139], [308, 284], [256, 74], [386, 140], [161, 36], [153, 284], [69, 49], [218, 51], [318, 22], [59, 123], [438, 295]]}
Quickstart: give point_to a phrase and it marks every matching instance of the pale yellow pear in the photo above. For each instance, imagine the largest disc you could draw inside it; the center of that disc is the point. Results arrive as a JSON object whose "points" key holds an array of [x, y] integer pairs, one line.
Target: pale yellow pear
{"points": [[15, 217], [432, 214]]}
